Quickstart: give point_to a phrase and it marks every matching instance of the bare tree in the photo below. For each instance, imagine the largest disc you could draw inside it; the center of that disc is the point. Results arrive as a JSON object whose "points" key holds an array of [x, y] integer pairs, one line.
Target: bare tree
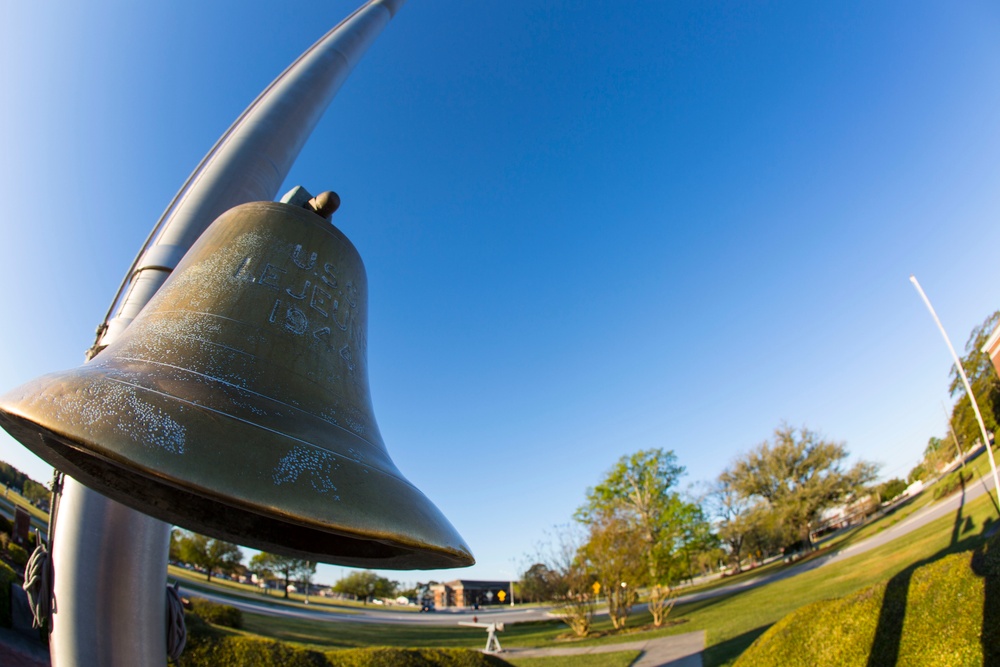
{"points": [[573, 585]]}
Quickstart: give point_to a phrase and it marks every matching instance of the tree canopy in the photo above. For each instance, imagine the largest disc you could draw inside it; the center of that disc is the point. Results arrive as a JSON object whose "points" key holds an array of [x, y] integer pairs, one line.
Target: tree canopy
{"points": [[365, 585], [638, 492], [798, 475], [985, 385], [291, 569], [205, 552]]}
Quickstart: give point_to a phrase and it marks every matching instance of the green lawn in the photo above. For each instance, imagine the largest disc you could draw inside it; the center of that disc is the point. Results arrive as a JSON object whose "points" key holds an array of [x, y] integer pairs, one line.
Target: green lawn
{"points": [[39, 518], [731, 621]]}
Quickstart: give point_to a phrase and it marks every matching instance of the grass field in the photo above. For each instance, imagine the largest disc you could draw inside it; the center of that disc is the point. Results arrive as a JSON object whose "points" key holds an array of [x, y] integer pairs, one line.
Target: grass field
{"points": [[731, 621], [39, 519]]}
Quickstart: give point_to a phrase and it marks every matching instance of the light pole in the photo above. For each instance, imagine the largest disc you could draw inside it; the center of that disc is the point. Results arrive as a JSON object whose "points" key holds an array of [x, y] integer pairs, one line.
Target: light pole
{"points": [[965, 381]]}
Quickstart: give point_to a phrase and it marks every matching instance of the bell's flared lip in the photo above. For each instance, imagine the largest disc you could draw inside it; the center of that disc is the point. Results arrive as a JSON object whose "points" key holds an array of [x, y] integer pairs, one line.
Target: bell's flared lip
{"points": [[228, 477]]}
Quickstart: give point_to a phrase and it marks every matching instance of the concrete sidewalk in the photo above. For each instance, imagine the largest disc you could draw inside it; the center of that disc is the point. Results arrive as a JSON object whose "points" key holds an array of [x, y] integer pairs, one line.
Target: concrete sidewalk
{"points": [[673, 651]]}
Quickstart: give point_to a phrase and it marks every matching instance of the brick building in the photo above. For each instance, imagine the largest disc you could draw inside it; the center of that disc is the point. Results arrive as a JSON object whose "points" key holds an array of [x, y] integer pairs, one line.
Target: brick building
{"points": [[469, 593]]}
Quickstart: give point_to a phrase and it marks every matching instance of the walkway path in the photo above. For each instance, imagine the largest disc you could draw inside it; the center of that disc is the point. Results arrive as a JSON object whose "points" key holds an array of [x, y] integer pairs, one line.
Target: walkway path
{"points": [[673, 651]]}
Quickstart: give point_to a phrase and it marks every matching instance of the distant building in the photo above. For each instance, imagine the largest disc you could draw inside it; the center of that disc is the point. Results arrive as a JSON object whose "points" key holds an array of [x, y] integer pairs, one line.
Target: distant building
{"points": [[469, 593], [992, 348]]}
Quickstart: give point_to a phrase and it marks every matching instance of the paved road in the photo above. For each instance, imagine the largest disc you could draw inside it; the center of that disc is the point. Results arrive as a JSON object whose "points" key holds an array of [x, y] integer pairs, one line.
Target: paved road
{"points": [[517, 614], [920, 518], [673, 651], [354, 615]]}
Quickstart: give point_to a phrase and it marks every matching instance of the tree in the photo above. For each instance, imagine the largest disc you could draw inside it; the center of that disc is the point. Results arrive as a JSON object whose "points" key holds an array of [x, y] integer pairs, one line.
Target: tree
{"points": [[261, 567], [638, 490], [890, 489], [615, 553], [574, 585], [35, 493], [798, 476], [918, 473], [291, 569], [175, 545], [539, 583], [695, 538], [208, 553], [985, 385], [731, 509], [939, 452], [365, 585]]}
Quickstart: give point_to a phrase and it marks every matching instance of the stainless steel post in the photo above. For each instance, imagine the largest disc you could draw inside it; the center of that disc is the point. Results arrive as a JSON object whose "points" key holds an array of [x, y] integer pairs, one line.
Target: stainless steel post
{"points": [[110, 561]]}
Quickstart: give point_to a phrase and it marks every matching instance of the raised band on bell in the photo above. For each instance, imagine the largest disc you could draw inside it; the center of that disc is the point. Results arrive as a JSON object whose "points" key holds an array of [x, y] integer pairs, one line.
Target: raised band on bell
{"points": [[237, 403]]}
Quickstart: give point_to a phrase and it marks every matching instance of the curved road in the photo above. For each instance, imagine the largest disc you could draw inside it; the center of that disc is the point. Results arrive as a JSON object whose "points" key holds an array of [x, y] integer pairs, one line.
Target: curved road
{"points": [[516, 614]]}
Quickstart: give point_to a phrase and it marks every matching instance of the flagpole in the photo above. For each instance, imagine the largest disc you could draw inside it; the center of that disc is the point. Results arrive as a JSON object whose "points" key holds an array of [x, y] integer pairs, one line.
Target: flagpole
{"points": [[965, 381], [110, 561]]}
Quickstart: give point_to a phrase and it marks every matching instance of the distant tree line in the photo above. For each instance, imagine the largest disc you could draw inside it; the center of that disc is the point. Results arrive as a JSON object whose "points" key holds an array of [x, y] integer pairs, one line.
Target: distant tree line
{"points": [[27, 487], [636, 536]]}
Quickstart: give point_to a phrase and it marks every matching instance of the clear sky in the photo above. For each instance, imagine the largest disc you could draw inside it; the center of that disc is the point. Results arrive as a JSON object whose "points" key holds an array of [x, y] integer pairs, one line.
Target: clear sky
{"points": [[589, 227]]}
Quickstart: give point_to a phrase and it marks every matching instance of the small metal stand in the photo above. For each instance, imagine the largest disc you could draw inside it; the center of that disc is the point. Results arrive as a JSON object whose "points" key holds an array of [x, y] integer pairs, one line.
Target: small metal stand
{"points": [[492, 643]]}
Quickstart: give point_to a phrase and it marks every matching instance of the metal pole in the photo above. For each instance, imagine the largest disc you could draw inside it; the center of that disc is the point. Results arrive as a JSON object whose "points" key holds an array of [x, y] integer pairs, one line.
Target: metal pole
{"points": [[954, 436], [965, 381], [110, 561]]}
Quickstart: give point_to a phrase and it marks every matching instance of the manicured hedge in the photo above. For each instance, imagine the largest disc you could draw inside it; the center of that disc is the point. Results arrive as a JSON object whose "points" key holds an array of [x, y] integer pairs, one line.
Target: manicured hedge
{"points": [[7, 577], [18, 555], [412, 657], [237, 651], [929, 615], [218, 614], [210, 646]]}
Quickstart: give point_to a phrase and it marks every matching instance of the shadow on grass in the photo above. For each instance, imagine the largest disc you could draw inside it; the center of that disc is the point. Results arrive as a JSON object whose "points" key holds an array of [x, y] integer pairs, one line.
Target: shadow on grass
{"points": [[729, 650], [889, 630]]}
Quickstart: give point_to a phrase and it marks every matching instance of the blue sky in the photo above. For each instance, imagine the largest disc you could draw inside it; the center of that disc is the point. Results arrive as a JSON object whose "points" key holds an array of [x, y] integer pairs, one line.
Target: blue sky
{"points": [[589, 227]]}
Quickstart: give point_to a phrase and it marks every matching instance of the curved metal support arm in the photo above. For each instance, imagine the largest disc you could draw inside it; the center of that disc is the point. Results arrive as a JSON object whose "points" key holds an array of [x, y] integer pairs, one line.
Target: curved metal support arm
{"points": [[252, 159], [111, 562]]}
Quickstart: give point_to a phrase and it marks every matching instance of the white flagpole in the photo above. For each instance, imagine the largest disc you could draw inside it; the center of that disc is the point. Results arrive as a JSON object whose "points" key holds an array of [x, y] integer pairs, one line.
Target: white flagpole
{"points": [[965, 381]]}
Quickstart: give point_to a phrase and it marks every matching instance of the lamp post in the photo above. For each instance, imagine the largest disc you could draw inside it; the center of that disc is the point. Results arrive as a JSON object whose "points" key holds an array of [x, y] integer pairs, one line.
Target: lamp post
{"points": [[965, 381]]}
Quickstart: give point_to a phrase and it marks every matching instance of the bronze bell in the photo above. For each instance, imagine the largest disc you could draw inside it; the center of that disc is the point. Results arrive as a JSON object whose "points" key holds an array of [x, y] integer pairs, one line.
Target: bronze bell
{"points": [[237, 404]]}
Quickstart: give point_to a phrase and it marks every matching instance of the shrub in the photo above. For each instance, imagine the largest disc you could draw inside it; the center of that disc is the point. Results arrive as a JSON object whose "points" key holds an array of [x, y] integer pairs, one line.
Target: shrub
{"points": [[17, 555], [5, 525], [951, 483], [7, 577], [411, 657], [944, 605], [211, 650], [218, 614], [209, 646]]}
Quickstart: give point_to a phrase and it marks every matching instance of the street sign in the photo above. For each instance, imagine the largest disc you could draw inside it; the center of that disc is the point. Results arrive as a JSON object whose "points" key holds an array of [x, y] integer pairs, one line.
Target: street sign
{"points": [[597, 588], [502, 595]]}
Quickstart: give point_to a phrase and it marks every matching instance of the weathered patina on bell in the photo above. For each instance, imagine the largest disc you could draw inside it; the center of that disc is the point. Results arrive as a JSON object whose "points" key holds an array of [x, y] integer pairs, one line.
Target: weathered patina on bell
{"points": [[237, 404]]}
